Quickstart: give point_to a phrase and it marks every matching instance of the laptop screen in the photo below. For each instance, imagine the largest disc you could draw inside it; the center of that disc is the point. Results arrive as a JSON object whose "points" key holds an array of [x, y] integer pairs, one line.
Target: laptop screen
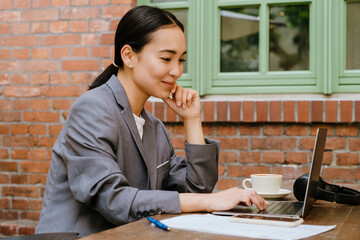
{"points": [[312, 184]]}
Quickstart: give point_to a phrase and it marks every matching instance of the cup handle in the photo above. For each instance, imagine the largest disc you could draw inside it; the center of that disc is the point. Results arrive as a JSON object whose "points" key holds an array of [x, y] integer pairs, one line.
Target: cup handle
{"points": [[245, 181]]}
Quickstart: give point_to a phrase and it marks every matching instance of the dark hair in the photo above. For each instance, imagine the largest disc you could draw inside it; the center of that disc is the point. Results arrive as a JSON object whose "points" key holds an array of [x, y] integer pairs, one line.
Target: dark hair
{"points": [[135, 29]]}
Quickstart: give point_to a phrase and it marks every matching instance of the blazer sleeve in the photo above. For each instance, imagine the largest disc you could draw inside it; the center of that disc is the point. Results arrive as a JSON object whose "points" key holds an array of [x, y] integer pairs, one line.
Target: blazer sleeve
{"points": [[199, 172], [94, 176]]}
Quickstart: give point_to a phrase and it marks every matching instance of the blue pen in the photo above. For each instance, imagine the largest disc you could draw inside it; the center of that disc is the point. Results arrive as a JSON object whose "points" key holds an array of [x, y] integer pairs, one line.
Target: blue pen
{"points": [[158, 224]]}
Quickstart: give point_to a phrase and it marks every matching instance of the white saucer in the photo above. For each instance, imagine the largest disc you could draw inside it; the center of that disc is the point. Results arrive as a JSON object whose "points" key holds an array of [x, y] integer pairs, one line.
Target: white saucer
{"points": [[282, 193]]}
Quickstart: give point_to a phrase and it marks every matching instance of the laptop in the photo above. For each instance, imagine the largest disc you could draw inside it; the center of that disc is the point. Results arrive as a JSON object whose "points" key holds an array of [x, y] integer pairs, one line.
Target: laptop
{"points": [[291, 208]]}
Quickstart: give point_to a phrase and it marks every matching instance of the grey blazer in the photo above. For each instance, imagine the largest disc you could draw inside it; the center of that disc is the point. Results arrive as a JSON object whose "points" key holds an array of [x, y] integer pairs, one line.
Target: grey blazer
{"points": [[103, 175]]}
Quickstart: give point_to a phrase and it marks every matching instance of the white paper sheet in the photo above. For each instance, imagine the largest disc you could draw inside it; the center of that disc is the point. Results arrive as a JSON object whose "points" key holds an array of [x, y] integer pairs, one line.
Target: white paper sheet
{"points": [[221, 225]]}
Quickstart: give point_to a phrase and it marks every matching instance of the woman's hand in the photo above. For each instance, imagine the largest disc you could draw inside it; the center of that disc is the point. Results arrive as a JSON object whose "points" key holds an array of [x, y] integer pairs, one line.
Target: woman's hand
{"points": [[220, 201], [185, 102]]}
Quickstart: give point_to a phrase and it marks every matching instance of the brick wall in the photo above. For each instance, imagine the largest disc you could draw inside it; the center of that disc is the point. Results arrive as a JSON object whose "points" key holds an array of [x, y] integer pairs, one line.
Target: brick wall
{"points": [[50, 50]]}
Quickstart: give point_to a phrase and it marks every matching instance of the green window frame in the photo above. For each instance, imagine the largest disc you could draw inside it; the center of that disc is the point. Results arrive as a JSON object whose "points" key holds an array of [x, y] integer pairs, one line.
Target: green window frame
{"points": [[327, 72]]}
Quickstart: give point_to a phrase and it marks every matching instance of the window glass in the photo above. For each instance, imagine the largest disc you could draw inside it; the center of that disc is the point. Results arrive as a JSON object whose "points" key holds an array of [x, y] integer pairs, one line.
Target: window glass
{"points": [[353, 35], [182, 16], [239, 39], [289, 38]]}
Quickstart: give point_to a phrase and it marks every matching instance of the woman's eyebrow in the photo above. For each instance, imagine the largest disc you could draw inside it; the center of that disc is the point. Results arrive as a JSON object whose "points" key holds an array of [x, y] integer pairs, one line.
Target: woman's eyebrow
{"points": [[171, 51]]}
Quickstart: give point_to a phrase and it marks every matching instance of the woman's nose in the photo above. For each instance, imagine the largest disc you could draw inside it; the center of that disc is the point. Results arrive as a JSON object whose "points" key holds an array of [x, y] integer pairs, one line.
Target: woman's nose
{"points": [[176, 70]]}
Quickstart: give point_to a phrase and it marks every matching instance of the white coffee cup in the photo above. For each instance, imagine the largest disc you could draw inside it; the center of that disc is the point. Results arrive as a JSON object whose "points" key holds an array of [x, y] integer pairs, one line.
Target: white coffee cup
{"points": [[264, 183]]}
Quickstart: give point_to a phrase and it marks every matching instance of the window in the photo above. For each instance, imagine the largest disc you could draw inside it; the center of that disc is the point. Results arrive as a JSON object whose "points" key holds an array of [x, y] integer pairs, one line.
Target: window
{"points": [[269, 46]]}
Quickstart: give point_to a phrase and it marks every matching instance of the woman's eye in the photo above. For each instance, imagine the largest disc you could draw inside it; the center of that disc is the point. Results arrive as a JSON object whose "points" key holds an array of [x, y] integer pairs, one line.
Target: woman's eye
{"points": [[166, 59], [182, 60]]}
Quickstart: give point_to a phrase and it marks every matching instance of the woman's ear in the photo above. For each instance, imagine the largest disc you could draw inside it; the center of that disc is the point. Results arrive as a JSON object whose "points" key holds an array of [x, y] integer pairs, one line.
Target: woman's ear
{"points": [[128, 56]]}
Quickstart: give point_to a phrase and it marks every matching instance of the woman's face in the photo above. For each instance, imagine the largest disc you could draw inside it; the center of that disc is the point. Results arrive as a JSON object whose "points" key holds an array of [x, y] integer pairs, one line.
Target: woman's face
{"points": [[160, 63]]}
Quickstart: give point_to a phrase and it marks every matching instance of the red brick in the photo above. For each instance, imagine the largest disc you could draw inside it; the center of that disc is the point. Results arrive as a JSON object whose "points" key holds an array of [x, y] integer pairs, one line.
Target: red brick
{"points": [[22, 91], [20, 191], [38, 179], [208, 111], [80, 78], [19, 179], [306, 143], [289, 111], [347, 158], [250, 157], [33, 216], [61, 52], [59, 104], [61, 91], [4, 204], [89, 39], [80, 65], [60, 3], [235, 111], [4, 178], [41, 104], [273, 157], [303, 111], [26, 230], [249, 130], [178, 130], [222, 130], [5, 4], [246, 171], [223, 184], [178, 142], [290, 172], [159, 110], [8, 166], [40, 78], [228, 157], [102, 51], [8, 215], [9, 66], [261, 111], [39, 27], [79, 2], [248, 111], [4, 154], [38, 154], [40, 3], [273, 130], [20, 204], [99, 2], [354, 144], [170, 114], [21, 54], [35, 167], [79, 13], [61, 40], [58, 27], [222, 111], [22, 104], [5, 105], [352, 131], [275, 111], [4, 79], [9, 16], [41, 66], [333, 173], [233, 143], [10, 141], [296, 130], [273, 143], [346, 111], [4, 53], [20, 28], [35, 204], [22, 3], [40, 15], [36, 129], [317, 111], [296, 157], [331, 111], [55, 130], [114, 11], [4, 28], [335, 143], [221, 170], [20, 79], [10, 116], [41, 116], [80, 52], [19, 153], [78, 26], [107, 39], [357, 111], [328, 158], [99, 26], [19, 129]]}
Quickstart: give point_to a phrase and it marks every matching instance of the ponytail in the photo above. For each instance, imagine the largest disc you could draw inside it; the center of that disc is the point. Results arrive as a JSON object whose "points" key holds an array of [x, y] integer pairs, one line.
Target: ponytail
{"points": [[105, 76]]}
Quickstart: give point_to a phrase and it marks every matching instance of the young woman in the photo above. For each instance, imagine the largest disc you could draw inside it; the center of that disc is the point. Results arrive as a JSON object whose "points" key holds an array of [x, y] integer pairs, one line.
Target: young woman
{"points": [[113, 162]]}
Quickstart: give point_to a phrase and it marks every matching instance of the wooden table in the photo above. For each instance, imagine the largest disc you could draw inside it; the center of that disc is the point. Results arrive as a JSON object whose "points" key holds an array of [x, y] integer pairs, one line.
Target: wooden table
{"points": [[346, 218]]}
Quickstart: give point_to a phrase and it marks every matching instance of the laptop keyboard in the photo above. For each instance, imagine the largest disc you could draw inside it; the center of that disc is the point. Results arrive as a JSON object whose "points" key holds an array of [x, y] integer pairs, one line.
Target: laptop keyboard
{"points": [[283, 208]]}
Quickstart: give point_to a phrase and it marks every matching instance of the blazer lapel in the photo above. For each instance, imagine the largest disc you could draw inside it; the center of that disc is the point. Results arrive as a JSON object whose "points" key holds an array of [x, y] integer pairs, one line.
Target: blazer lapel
{"points": [[147, 147]]}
